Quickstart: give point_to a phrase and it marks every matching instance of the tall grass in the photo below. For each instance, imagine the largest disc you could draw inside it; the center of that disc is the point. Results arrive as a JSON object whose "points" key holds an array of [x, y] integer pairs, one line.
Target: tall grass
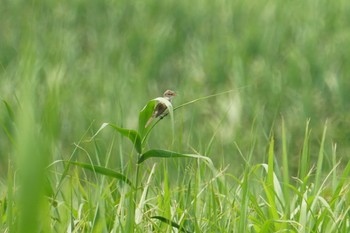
{"points": [[91, 197], [228, 163]]}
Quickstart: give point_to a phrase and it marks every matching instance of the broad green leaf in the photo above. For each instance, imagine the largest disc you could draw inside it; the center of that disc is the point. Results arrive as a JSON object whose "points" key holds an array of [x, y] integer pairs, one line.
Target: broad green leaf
{"points": [[147, 111], [170, 154], [144, 115], [129, 133], [170, 111], [171, 223], [103, 171]]}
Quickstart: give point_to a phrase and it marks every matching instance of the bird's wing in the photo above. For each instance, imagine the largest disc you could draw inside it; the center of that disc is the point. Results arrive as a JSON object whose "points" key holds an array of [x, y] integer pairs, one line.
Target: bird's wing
{"points": [[159, 110]]}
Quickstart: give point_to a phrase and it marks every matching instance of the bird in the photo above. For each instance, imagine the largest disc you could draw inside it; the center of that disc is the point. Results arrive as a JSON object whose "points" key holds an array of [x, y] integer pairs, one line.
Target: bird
{"points": [[160, 108]]}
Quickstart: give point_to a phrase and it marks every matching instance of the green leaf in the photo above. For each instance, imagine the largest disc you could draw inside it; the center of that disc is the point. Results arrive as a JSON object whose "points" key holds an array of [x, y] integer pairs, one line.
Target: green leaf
{"points": [[170, 111], [147, 111], [305, 155], [171, 223], [144, 115], [139, 212], [9, 110], [170, 154], [103, 171], [129, 133], [12, 118], [285, 170], [320, 160]]}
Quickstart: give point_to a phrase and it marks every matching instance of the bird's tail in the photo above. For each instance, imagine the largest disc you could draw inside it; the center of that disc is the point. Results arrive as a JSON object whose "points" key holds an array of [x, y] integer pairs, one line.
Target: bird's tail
{"points": [[149, 121]]}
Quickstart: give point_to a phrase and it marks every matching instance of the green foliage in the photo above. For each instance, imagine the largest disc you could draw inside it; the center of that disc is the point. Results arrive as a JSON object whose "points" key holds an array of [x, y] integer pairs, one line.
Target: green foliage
{"points": [[135, 137], [144, 115], [169, 154], [103, 171], [129, 133], [167, 221], [233, 155], [9, 110]]}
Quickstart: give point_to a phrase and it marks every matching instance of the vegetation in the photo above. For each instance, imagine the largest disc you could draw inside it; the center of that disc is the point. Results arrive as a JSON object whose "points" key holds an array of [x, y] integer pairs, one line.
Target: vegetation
{"points": [[256, 139]]}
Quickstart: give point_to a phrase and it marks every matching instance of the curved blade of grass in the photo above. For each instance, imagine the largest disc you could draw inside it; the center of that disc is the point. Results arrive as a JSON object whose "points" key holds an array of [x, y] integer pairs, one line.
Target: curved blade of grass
{"points": [[304, 162], [8, 134], [12, 117], [171, 223], [169, 154], [142, 202], [341, 185], [170, 110], [133, 135], [144, 115], [9, 110], [285, 170], [319, 170], [209, 96], [103, 171], [269, 186]]}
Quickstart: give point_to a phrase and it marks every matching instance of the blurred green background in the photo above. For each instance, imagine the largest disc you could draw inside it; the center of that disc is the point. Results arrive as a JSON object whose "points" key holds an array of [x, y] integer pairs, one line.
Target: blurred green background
{"points": [[88, 62]]}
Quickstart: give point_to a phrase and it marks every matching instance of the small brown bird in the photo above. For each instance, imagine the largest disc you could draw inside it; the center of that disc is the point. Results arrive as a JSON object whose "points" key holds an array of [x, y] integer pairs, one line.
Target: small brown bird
{"points": [[160, 109]]}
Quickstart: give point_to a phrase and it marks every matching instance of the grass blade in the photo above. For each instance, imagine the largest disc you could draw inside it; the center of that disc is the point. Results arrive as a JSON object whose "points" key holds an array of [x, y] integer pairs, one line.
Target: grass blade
{"points": [[9, 110], [170, 154], [103, 171], [10, 197], [244, 189], [144, 115], [12, 118], [170, 110], [285, 171], [207, 97], [171, 223], [142, 202], [320, 160], [304, 162], [270, 185], [133, 135]]}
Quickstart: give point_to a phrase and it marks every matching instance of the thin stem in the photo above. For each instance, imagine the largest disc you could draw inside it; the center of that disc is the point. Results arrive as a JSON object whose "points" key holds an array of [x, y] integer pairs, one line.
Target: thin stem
{"points": [[148, 132], [137, 176], [207, 97], [188, 103], [131, 217]]}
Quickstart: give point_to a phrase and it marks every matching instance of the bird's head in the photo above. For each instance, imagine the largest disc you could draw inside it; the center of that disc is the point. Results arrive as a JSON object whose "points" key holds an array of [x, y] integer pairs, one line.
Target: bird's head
{"points": [[169, 94]]}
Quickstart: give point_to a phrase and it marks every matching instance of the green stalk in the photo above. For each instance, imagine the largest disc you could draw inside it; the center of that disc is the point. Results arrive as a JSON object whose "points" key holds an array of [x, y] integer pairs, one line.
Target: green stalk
{"points": [[10, 197], [131, 215], [285, 171]]}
